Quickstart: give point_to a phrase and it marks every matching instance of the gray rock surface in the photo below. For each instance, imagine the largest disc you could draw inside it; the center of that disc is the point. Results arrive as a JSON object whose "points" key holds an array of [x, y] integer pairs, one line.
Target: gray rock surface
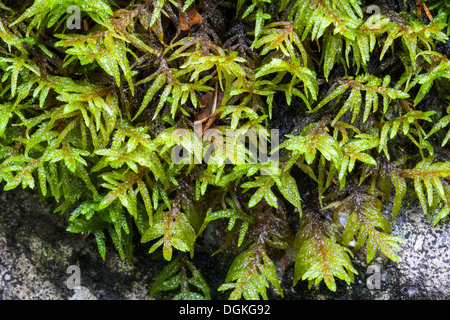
{"points": [[424, 272], [35, 252]]}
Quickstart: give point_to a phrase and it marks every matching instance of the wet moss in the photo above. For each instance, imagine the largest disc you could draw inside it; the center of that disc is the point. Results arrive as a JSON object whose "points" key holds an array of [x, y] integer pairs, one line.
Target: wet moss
{"points": [[90, 117]]}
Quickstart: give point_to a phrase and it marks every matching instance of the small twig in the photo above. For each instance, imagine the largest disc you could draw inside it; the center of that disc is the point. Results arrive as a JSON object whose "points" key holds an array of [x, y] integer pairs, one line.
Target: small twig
{"points": [[332, 180], [213, 110], [213, 73], [430, 17], [420, 4]]}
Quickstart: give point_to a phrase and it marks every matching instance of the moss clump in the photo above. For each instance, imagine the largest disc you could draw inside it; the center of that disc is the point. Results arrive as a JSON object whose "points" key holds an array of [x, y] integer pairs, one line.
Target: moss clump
{"points": [[148, 120]]}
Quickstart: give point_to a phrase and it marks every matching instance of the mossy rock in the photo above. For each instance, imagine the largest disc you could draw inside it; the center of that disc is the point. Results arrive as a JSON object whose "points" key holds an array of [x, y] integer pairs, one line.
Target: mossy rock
{"points": [[129, 122]]}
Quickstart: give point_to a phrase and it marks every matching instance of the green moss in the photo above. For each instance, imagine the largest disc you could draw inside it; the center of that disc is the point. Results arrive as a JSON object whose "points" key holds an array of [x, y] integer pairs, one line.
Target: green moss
{"points": [[106, 119]]}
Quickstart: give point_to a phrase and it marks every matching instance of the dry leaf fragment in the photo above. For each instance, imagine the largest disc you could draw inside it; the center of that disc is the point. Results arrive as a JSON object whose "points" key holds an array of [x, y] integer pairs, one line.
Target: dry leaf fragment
{"points": [[194, 18], [208, 114]]}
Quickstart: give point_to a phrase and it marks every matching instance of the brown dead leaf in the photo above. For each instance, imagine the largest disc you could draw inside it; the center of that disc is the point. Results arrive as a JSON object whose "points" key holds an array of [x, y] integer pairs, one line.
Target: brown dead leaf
{"points": [[208, 114], [194, 18]]}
